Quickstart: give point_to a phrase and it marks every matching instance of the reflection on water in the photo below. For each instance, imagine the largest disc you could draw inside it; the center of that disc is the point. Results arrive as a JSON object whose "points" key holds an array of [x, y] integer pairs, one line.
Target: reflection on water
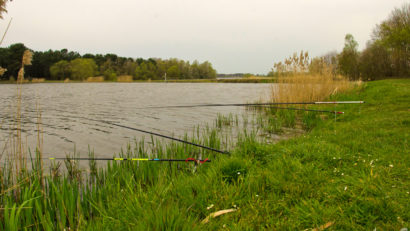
{"points": [[64, 107]]}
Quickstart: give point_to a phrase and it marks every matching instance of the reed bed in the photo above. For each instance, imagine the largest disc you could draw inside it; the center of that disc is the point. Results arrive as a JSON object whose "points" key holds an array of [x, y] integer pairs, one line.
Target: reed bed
{"points": [[95, 79], [296, 83], [124, 78], [308, 87], [300, 80]]}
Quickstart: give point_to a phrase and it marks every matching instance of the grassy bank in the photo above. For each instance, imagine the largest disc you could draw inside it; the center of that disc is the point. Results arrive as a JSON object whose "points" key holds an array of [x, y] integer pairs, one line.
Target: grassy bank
{"points": [[352, 174]]}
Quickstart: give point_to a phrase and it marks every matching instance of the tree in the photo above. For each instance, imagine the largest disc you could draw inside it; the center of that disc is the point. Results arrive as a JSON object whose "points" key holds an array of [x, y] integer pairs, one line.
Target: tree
{"points": [[82, 68], [375, 62], [128, 68], [349, 58], [107, 65], [48, 65], [184, 69], [60, 70], [394, 35], [42, 61], [12, 59], [146, 70], [162, 67], [206, 71], [195, 73], [110, 75], [173, 72]]}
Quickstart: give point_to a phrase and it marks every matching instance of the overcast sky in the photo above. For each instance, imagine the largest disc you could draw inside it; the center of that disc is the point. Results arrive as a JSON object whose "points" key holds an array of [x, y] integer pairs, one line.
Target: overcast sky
{"points": [[234, 35]]}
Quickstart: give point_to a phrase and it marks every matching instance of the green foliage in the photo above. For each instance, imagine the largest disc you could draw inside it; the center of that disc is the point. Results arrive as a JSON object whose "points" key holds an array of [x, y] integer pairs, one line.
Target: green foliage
{"points": [[110, 75], [10, 58], [394, 35], [349, 58], [206, 70], [386, 55], [173, 72], [145, 71], [83, 68], [50, 65], [375, 62], [42, 61], [60, 70]]}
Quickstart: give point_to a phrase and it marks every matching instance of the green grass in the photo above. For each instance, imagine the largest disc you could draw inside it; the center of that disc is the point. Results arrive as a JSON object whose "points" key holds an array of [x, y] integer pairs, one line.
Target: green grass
{"points": [[352, 174]]}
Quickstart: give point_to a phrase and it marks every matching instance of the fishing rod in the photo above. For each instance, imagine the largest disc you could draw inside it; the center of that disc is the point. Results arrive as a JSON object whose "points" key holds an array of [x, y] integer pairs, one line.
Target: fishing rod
{"points": [[133, 159], [163, 136], [303, 109], [254, 104], [154, 134]]}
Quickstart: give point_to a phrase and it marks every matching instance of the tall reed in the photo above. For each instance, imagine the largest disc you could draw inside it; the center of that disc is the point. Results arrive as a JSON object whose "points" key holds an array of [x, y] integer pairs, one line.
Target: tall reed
{"points": [[15, 168], [296, 83]]}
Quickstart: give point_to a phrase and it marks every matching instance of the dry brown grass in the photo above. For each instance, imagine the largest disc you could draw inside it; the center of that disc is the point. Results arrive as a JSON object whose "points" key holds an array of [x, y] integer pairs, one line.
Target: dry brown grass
{"points": [[38, 80], [95, 79], [19, 150], [308, 87], [124, 78], [2, 71], [296, 84], [14, 147]]}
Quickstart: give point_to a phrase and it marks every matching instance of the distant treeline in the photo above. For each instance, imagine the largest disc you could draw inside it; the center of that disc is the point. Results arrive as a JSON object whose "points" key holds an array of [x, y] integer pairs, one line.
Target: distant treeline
{"points": [[241, 75], [231, 75], [62, 64], [387, 54]]}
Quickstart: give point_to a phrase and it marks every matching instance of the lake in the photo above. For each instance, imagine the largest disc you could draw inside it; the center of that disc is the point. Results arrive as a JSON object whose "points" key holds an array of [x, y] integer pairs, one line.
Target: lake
{"points": [[65, 108]]}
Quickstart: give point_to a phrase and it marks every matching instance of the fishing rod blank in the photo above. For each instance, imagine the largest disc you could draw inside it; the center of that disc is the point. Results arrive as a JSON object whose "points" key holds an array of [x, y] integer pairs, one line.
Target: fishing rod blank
{"points": [[133, 159], [154, 134], [253, 104], [164, 136]]}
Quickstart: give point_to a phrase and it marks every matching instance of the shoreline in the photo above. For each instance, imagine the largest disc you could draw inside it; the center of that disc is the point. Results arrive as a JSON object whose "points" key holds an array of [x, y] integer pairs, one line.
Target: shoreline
{"points": [[252, 80]]}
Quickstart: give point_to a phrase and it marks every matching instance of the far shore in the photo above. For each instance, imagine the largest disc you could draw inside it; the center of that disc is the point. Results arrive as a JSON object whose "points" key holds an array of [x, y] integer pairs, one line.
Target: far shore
{"points": [[227, 80]]}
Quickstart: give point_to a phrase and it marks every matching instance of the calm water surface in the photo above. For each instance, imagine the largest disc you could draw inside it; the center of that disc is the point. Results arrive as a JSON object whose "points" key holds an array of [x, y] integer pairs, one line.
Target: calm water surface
{"points": [[64, 107]]}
